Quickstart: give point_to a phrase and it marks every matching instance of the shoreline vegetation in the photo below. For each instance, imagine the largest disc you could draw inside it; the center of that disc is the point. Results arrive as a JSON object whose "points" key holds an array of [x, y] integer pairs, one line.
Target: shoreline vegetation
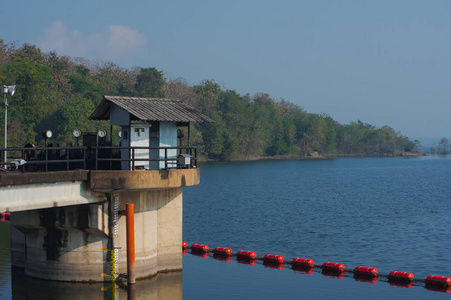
{"points": [[317, 157], [59, 93]]}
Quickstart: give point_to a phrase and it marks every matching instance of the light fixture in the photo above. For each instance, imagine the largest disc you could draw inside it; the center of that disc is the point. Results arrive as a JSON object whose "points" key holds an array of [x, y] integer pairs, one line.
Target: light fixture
{"points": [[7, 89], [101, 133], [47, 134], [77, 133], [119, 134]]}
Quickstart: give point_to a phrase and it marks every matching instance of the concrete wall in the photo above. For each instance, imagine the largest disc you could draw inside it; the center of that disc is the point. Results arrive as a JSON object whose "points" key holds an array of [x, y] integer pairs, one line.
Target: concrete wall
{"points": [[158, 231], [42, 195], [61, 243], [64, 243]]}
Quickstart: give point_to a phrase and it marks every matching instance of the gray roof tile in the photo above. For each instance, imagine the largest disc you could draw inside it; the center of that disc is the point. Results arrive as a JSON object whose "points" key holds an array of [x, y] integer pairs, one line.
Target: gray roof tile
{"points": [[150, 109]]}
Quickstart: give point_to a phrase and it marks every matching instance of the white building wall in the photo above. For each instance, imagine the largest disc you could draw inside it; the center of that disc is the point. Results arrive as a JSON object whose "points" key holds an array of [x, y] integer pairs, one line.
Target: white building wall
{"points": [[168, 138], [139, 137]]}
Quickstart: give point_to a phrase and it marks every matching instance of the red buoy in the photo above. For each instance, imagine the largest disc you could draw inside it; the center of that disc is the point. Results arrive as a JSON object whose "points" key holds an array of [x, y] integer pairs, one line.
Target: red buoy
{"points": [[441, 281], [333, 267], [184, 245], [222, 251], [365, 271], [400, 276], [199, 248], [273, 259], [246, 255], [302, 262]]}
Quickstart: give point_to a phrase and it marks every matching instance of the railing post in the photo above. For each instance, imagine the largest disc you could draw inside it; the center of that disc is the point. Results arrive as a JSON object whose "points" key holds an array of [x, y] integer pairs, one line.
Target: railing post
{"points": [[195, 155], [96, 164], [46, 159], [133, 159], [67, 159], [166, 158], [23, 157], [84, 158], [111, 156]]}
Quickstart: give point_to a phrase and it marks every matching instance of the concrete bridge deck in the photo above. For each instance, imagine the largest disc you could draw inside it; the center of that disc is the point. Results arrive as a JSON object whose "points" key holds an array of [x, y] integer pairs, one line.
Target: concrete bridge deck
{"points": [[61, 221], [27, 191]]}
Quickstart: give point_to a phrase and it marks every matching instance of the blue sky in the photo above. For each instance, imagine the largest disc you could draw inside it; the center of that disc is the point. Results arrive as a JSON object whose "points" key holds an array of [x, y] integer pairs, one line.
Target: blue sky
{"points": [[383, 62]]}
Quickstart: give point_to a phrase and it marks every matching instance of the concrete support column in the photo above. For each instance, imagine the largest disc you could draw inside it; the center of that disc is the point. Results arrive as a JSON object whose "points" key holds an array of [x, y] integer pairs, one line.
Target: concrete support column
{"points": [[158, 231], [65, 243], [62, 244]]}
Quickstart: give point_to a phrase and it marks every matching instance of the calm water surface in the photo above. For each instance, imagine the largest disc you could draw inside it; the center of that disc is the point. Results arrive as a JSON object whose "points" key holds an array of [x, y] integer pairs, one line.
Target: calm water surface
{"points": [[388, 213]]}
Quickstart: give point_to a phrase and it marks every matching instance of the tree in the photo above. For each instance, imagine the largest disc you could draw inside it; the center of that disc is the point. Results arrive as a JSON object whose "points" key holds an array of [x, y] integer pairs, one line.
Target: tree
{"points": [[32, 100], [59, 93], [73, 114], [208, 94], [179, 89], [214, 137], [16, 134], [150, 83], [60, 67], [444, 146], [6, 51]]}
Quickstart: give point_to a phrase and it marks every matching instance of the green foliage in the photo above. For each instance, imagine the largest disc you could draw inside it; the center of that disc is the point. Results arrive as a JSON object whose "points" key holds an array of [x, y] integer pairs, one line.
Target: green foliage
{"points": [[74, 113], [31, 102], [149, 83], [52, 93], [59, 93], [444, 146]]}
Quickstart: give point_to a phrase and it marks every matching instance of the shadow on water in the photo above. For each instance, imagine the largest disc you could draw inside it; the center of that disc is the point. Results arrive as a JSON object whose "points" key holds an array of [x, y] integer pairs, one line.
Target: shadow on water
{"points": [[163, 286]]}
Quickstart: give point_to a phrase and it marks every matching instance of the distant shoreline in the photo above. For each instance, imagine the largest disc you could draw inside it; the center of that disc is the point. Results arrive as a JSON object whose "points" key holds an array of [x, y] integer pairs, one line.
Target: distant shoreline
{"points": [[318, 157]]}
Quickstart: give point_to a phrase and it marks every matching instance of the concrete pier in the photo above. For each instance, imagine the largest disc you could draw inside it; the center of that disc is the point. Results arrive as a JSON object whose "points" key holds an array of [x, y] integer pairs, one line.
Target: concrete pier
{"points": [[67, 243], [66, 202]]}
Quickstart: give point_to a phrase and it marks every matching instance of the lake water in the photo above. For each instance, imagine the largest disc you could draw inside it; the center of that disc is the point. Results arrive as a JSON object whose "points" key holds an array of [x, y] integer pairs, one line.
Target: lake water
{"points": [[387, 213]]}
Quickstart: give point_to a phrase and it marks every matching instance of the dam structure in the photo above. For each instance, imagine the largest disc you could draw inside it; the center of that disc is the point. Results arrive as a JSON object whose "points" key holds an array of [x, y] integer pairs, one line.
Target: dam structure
{"points": [[67, 203]]}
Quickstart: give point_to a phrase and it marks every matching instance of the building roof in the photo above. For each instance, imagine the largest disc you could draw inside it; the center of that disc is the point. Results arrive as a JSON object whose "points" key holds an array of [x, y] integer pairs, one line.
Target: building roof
{"points": [[150, 109]]}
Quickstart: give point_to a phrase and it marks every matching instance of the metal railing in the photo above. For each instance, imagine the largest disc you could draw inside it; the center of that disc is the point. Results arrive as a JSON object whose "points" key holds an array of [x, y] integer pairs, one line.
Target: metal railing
{"points": [[45, 159], [107, 155]]}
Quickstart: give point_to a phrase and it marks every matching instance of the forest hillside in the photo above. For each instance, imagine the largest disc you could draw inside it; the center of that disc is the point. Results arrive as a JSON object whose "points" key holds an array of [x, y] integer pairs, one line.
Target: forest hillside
{"points": [[59, 93]]}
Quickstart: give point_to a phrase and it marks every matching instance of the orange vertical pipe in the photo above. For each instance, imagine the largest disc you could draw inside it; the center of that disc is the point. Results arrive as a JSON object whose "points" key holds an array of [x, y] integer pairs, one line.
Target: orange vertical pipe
{"points": [[130, 224]]}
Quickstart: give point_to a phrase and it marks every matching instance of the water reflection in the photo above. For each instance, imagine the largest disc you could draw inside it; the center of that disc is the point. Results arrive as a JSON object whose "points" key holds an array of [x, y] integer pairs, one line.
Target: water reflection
{"points": [[161, 287]]}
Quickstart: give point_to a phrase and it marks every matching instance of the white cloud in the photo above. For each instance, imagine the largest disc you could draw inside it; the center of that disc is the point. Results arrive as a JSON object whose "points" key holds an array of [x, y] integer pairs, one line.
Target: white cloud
{"points": [[123, 37], [116, 43]]}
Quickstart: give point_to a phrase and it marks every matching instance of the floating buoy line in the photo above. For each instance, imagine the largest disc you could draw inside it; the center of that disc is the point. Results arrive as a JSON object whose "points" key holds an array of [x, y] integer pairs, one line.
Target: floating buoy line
{"points": [[308, 266]]}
